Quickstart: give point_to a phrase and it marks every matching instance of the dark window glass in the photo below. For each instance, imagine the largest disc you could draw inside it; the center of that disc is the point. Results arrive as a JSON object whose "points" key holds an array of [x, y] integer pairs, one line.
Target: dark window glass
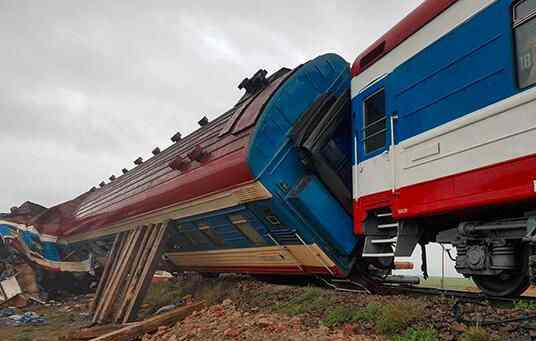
{"points": [[525, 36], [524, 8], [375, 128]]}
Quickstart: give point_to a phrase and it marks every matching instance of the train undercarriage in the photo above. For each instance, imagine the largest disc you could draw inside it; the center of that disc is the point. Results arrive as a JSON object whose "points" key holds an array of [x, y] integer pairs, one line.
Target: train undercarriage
{"points": [[499, 255]]}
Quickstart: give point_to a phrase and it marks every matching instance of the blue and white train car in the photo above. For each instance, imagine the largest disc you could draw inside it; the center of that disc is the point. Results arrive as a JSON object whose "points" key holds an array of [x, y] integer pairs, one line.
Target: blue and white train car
{"points": [[444, 109]]}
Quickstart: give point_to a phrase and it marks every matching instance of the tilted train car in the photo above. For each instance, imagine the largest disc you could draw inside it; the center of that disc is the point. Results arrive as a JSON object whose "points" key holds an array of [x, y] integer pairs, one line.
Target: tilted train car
{"points": [[444, 111], [239, 193]]}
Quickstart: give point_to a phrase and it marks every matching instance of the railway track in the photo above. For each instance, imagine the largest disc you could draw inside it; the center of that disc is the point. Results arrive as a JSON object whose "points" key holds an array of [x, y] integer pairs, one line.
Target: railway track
{"points": [[463, 298]]}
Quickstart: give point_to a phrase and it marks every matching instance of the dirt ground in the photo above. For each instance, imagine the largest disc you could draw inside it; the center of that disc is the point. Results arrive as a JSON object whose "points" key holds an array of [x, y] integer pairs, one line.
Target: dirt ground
{"points": [[243, 308], [70, 312]]}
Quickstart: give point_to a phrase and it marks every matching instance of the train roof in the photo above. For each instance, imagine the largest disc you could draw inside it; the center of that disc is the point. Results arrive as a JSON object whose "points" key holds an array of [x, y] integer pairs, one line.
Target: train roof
{"points": [[408, 26], [210, 159]]}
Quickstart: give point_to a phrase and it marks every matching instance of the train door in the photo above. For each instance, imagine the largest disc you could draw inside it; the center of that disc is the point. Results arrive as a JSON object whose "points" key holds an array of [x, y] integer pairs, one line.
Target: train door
{"points": [[374, 170]]}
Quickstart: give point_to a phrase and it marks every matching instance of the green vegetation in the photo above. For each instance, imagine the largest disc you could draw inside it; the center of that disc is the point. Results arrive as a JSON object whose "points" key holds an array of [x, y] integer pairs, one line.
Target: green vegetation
{"points": [[417, 335], [395, 318], [344, 314], [452, 283], [212, 291], [311, 300], [476, 334], [369, 314], [389, 319], [522, 305]]}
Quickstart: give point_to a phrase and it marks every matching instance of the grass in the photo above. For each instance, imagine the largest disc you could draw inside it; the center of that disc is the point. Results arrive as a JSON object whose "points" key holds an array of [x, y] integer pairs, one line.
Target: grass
{"points": [[523, 305], [311, 300], [58, 323], [476, 334], [388, 319], [417, 335], [212, 291], [453, 283], [395, 318]]}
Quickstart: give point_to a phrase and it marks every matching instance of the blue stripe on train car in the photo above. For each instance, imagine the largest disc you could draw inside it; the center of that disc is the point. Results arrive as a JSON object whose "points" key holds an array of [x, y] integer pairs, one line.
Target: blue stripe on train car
{"points": [[225, 234], [469, 68]]}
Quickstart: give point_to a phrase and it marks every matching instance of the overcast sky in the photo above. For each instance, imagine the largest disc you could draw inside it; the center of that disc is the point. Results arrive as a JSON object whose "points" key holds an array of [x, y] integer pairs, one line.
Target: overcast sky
{"points": [[88, 86]]}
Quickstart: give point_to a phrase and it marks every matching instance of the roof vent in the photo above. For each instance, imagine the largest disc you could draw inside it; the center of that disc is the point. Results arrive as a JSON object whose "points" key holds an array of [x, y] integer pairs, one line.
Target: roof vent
{"points": [[156, 151], [124, 170], [179, 164], [138, 161], [256, 83], [203, 122], [198, 154], [112, 178], [372, 55], [102, 184], [176, 138]]}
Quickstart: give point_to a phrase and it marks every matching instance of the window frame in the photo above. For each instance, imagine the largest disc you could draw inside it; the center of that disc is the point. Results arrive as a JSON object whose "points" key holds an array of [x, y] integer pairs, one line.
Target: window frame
{"points": [[365, 127], [515, 24], [209, 232]]}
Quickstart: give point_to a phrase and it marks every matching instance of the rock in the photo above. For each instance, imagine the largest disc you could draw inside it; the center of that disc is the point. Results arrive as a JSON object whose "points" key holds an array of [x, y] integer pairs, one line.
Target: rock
{"points": [[458, 327], [231, 332], [165, 309], [348, 330], [264, 322], [227, 302]]}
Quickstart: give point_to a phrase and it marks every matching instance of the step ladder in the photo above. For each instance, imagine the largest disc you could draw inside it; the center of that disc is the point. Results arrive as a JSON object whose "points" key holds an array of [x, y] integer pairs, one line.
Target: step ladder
{"points": [[386, 238], [381, 235]]}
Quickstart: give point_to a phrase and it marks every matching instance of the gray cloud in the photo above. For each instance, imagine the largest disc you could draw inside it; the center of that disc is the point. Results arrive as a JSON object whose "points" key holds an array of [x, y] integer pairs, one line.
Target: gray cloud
{"points": [[87, 86]]}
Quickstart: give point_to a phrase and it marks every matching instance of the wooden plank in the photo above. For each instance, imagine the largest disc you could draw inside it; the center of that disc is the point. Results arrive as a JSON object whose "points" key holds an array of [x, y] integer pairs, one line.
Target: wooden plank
{"points": [[122, 248], [138, 329], [150, 236], [147, 274], [122, 271], [106, 272], [90, 333]]}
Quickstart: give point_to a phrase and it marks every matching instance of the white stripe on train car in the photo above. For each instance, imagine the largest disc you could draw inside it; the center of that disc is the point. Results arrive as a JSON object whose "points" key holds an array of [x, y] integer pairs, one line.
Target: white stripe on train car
{"points": [[497, 133], [447, 21]]}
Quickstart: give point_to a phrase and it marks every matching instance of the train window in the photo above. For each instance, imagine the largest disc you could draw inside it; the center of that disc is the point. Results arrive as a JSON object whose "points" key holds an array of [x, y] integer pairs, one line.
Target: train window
{"points": [[524, 18], [375, 128], [248, 231], [211, 235]]}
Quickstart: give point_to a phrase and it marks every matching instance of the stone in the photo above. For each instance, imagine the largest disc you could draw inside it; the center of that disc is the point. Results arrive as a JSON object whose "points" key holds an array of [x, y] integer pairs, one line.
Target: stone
{"points": [[348, 330], [231, 332]]}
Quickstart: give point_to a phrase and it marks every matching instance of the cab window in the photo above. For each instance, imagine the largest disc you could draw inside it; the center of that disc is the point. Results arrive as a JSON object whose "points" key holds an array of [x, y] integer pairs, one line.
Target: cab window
{"points": [[375, 129], [524, 22]]}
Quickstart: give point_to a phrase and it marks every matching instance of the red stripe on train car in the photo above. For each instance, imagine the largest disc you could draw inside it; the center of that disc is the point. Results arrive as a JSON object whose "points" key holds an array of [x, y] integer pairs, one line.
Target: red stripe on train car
{"points": [[408, 26], [503, 183]]}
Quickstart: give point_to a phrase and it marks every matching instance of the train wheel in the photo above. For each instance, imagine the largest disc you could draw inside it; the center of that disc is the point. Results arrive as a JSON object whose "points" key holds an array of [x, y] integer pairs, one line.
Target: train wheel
{"points": [[503, 285], [507, 283]]}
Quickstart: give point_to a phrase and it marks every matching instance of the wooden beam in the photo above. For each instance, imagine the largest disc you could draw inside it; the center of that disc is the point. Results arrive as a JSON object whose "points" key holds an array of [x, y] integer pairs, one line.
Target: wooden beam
{"points": [[117, 283], [151, 234], [150, 325], [90, 333], [122, 248], [147, 274], [107, 270]]}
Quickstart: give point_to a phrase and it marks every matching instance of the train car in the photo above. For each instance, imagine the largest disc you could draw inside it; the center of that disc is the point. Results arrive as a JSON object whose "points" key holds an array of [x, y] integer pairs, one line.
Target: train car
{"points": [[444, 116], [264, 189]]}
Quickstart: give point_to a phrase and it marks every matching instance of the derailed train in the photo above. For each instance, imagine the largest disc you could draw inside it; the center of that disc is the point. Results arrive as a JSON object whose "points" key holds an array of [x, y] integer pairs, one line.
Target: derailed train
{"points": [[335, 170]]}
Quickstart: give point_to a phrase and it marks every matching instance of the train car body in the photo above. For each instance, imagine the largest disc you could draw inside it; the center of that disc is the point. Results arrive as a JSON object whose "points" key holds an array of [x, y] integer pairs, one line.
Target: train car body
{"points": [[444, 126], [236, 193]]}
